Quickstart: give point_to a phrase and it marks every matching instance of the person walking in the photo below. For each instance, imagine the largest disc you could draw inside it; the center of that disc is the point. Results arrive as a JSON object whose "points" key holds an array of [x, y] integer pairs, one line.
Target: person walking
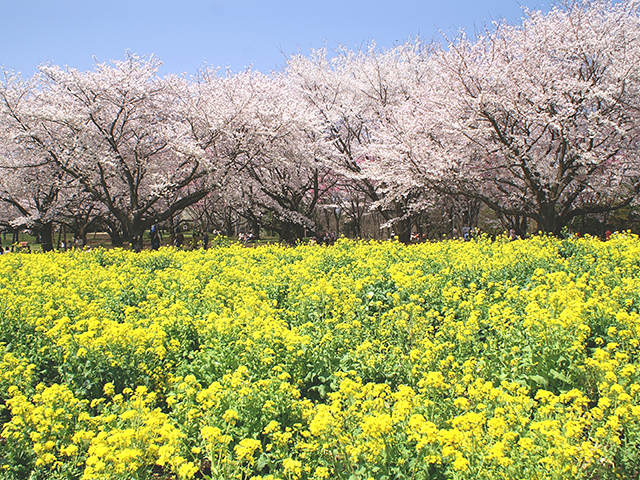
{"points": [[154, 236]]}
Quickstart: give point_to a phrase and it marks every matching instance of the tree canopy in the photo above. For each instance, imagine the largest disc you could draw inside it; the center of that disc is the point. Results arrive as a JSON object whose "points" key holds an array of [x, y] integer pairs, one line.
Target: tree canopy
{"points": [[536, 121]]}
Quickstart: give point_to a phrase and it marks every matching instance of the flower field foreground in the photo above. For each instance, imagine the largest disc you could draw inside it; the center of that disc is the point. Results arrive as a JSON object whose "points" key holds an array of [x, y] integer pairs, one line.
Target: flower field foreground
{"points": [[363, 360]]}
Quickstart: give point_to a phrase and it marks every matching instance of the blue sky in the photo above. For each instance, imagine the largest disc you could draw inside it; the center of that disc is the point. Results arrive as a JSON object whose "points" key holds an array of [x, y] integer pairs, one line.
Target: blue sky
{"points": [[234, 34]]}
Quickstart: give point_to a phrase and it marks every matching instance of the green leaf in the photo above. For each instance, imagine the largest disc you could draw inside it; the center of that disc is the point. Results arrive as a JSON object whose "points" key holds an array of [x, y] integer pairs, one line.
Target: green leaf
{"points": [[540, 380]]}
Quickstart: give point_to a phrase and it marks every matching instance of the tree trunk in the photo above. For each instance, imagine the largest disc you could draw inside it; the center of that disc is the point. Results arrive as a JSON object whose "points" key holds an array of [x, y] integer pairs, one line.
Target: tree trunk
{"points": [[291, 232], [402, 230], [521, 226], [114, 235], [46, 236], [255, 229], [228, 224]]}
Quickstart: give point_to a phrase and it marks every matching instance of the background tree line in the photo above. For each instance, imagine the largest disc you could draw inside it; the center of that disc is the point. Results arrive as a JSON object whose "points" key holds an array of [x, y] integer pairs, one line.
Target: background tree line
{"points": [[533, 126]]}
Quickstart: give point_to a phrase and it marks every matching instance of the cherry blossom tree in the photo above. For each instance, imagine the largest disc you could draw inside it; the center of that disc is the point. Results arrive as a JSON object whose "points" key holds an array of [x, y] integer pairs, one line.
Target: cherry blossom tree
{"points": [[351, 94], [537, 120], [121, 134], [35, 191], [33, 200], [284, 157]]}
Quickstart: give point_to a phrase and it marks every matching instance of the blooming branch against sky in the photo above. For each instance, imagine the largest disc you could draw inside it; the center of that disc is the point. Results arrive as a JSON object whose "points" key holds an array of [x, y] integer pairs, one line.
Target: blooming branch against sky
{"points": [[232, 33]]}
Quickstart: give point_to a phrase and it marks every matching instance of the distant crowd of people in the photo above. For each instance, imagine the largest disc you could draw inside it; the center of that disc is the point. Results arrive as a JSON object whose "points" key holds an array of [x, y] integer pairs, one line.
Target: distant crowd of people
{"points": [[199, 239], [325, 237], [245, 238], [467, 233]]}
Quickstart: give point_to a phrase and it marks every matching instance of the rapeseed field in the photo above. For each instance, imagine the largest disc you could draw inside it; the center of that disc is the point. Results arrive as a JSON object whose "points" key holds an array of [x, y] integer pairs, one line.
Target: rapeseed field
{"points": [[450, 360]]}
